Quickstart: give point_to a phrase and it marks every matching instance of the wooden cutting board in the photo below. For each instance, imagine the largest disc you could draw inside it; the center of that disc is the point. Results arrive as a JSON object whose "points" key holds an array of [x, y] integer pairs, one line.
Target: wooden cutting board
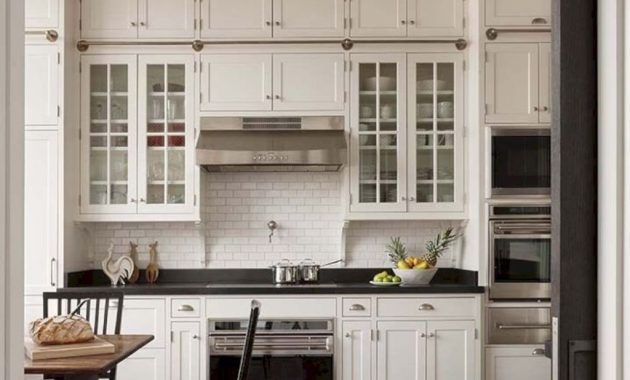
{"points": [[96, 347]]}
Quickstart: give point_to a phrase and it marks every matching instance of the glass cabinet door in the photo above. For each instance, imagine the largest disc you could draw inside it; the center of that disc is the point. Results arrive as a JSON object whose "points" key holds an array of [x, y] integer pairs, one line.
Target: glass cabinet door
{"points": [[166, 134], [435, 132], [108, 134], [378, 133]]}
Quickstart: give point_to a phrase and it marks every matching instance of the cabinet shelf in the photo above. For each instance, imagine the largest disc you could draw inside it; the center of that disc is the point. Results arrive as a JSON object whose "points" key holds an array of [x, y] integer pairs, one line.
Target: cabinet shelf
{"points": [[162, 121], [112, 148], [432, 181], [373, 147], [113, 93], [388, 93], [173, 93], [439, 147], [97, 182], [438, 93], [439, 120], [374, 182], [157, 182], [166, 148], [374, 120]]}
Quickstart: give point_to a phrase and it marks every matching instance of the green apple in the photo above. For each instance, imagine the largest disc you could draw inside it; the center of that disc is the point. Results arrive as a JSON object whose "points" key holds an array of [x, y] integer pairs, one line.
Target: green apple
{"points": [[387, 279], [396, 279]]}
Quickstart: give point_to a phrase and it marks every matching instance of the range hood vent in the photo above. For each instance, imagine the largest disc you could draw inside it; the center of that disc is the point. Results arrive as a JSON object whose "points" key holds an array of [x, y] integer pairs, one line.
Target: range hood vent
{"points": [[263, 144]]}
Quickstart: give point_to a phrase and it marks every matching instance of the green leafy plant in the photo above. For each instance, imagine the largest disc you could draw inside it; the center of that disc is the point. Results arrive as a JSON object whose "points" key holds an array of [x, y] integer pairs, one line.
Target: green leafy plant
{"points": [[436, 247], [396, 250]]}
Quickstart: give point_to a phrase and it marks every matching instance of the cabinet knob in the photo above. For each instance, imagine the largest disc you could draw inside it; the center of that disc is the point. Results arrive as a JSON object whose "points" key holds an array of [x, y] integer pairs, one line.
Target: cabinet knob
{"points": [[195, 337], [545, 108], [403, 198], [431, 335], [412, 22], [403, 22], [133, 23], [142, 200], [426, 307], [277, 23], [536, 109], [277, 97], [413, 199], [348, 335], [133, 200], [268, 96], [142, 23], [357, 307], [268, 23], [423, 335]]}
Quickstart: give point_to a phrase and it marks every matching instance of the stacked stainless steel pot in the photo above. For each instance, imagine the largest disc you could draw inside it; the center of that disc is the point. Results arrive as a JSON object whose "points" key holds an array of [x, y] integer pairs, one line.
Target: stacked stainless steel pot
{"points": [[285, 273]]}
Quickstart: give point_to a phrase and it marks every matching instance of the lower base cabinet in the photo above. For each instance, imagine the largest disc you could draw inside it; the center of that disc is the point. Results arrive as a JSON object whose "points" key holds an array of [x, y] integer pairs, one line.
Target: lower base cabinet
{"points": [[517, 363], [146, 364], [185, 351], [401, 350], [451, 350], [357, 350]]}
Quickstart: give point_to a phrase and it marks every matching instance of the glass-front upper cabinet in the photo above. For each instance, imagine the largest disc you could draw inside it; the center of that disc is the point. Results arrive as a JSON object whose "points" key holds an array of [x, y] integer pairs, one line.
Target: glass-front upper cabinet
{"points": [[435, 141], [378, 120], [108, 134], [166, 134]]}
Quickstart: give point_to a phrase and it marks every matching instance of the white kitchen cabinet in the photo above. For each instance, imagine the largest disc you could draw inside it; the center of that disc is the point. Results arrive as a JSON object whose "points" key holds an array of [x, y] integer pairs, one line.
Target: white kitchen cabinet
{"points": [[111, 19], [166, 18], [185, 351], [518, 83], [401, 350], [451, 350], [145, 364], [41, 212], [357, 350], [439, 18], [166, 133], [378, 18], [308, 18], [517, 363], [236, 82], [518, 12], [41, 14], [41, 92], [308, 82], [223, 19], [144, 316]]}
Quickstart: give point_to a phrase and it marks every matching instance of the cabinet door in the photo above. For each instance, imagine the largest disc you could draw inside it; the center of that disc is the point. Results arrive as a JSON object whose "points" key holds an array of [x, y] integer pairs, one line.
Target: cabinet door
{"points": [[185, 351], [236, 82], [146, 364], [435, 18], [378, 18], [544, 86], [451, 350], [166, 19], [41, 14], [236, 18], [41, 92], [308, 18], [512, 83], [166, 134], [308, 82], [518, 12], [517, 363], [108, 134], [401, 350], [435, 134], [357, 350], [378, 133], [109, 19], [144, 317], [41, 211]]}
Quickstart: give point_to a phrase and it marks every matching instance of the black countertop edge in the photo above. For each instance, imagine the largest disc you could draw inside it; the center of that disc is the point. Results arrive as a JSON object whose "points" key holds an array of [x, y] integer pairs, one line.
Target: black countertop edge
{"points": [[258, 281]]}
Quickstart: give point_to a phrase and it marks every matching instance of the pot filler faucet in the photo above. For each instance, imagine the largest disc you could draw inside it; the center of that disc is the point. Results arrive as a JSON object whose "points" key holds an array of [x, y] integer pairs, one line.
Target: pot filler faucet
{"points": [[272, 225]]}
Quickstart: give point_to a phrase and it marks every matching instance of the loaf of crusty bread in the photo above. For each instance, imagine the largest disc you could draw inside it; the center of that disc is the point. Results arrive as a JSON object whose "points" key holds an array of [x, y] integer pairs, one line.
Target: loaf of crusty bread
{"points": [[61, 330]]}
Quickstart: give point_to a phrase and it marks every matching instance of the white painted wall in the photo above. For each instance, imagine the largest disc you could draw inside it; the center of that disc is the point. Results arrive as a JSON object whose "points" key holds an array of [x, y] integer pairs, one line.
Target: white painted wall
{"points": [[11, 187]]}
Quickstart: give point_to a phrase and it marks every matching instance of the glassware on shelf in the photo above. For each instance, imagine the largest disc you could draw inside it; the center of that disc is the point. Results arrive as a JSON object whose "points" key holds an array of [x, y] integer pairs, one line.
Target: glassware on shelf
{"points": [[155, 194], [176, 193], [118, 194], [98, 194], [118, 78], [176, 165]]}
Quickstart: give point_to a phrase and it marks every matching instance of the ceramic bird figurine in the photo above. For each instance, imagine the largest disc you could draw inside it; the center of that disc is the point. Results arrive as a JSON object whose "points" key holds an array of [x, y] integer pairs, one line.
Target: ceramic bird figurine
{"points": [[133, 253], [152, 269], [118, 270]]}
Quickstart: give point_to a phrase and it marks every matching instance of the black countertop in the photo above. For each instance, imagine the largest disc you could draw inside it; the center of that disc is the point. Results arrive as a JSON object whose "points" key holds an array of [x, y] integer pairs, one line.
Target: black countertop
{"points": [[258, 281]]}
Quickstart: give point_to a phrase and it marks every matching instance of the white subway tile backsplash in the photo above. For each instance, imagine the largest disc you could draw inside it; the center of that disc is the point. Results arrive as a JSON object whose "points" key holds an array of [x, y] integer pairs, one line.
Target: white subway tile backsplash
{"points": [[235, 210]]}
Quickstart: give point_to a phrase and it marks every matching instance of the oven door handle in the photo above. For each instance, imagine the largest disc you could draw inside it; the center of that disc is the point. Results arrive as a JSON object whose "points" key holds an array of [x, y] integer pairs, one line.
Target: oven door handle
{"points": [[521, 236], [546, 326]]}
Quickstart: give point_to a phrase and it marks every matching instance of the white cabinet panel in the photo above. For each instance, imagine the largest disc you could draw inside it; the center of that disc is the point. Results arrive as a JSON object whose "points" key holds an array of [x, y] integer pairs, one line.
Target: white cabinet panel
{"points": [[41, 96], [41, 211], [146, 364], [236, 82], [401, 350], [166, 19], [437, 18], [544, 87], [185, 351], [109, 19], [517, 363], [451, 350], [145, 316], [518, 12], [357, 350], [41, 14], [33, 310], [236, 18], [308, 18], [308, 82], [512, 83], [378, 18]]}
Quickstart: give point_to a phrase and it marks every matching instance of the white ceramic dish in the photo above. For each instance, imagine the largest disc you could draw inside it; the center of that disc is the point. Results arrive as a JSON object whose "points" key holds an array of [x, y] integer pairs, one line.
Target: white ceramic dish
{"points": [[416, 276], [424, 110], [385, 283], [427, 85], [386, 84]]}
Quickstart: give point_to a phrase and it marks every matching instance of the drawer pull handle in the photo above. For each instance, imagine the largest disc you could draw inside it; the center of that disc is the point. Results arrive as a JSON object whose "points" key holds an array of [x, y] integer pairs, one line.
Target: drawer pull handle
{"points": [[426, 307], [357, 307], [539, 21], [185, 308], [538, 352], [501, 326]]}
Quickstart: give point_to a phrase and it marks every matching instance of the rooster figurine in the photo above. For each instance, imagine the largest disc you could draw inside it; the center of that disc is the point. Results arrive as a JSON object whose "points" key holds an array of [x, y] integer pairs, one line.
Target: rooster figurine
{"points": [[118, 270]]}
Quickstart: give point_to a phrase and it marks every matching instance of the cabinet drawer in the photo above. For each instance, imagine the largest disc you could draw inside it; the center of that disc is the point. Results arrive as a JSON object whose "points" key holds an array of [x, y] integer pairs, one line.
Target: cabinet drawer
{"points": [[426, 307], [217, 308], [357, 307], [185, 307]]}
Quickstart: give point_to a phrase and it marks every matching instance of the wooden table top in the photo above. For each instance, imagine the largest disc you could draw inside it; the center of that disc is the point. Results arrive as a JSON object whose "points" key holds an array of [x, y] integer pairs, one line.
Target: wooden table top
{"points": [[82, 365]]}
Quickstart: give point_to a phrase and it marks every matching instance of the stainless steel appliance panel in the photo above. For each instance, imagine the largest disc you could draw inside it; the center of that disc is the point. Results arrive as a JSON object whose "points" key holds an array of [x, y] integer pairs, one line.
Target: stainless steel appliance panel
{"points": [[518, 325]]}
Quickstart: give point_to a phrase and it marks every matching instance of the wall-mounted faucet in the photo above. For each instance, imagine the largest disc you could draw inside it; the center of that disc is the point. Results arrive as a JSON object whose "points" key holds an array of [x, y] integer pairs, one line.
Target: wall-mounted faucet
{"points": [[272, 225]]}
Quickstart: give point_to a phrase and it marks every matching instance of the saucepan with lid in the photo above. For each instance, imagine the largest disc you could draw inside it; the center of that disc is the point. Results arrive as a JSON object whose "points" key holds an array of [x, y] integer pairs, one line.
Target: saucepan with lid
{"points": [[309, 270], [285, 273]]}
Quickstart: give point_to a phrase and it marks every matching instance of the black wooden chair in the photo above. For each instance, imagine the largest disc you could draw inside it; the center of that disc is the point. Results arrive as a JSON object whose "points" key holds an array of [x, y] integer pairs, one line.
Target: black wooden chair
{"points": [[246, 357], [96, 310]]}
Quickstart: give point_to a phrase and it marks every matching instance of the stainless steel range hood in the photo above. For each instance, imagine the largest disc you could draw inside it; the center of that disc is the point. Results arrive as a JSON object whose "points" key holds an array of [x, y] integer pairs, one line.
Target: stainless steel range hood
{"points": [[314, 143]]}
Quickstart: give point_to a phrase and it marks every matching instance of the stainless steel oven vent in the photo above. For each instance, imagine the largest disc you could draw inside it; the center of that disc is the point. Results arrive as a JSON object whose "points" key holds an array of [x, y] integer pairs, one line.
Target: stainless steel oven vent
{"points": [[272, 123]]}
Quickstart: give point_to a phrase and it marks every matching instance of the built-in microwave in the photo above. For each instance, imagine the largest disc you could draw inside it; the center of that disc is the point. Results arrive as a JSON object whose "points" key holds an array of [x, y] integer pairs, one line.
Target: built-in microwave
{"points": [[520, 161]]}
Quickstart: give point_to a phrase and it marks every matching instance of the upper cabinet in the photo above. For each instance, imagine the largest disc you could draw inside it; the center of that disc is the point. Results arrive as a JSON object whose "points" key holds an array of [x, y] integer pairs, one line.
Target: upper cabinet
{"points": [[406, 18], [518, 83], [41, 91], [278, 82], [42, 14], [308, 18], [129, 19], [518, 12], [236, 19]]}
